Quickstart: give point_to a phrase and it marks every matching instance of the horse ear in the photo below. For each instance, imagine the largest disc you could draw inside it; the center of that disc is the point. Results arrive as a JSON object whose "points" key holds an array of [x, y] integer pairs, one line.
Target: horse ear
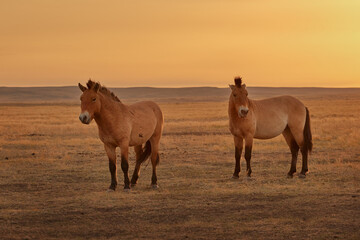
{"points": [[232, 86], [244, 87], [96, 87], [238, 81], [82, 88]]}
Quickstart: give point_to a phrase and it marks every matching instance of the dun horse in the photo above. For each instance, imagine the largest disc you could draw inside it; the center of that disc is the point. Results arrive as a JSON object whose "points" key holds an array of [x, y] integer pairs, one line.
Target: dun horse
{"points": [[265, 119], [122, 126]]}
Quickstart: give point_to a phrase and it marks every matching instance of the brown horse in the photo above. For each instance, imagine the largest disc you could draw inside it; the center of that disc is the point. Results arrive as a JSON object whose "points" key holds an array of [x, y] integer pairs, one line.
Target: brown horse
{"points": [[265, 119], [122, 126]]}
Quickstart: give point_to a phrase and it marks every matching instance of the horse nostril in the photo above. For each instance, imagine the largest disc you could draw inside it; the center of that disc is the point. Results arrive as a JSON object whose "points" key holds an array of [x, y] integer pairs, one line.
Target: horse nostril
{"points": [[83, 118], [244, 112]]}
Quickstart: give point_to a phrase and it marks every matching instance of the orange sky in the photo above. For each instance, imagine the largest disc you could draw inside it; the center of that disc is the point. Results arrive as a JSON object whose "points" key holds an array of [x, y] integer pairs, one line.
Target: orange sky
{"points": [[172, 43]]}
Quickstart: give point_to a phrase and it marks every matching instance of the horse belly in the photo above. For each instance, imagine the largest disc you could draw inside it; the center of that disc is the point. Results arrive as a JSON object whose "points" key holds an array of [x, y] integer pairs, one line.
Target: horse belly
{"points": [[269, 130]]}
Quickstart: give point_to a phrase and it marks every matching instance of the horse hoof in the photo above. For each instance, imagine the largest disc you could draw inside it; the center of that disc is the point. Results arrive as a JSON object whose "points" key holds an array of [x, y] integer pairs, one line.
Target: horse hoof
{"points": [[302, 175], [154, 186], [249, 179], [127, 190], [290, 176], [110, 190], [133, 185], [235, 177]]}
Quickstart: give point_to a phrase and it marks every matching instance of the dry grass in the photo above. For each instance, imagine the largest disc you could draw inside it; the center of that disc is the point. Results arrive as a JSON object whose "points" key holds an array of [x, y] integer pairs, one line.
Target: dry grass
{"points": [[54, 175]]}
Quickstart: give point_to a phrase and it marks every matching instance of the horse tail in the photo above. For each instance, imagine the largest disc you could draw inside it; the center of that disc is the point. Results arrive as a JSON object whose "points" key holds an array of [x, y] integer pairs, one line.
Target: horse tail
{"points": [[308, 145], [146, 152]]}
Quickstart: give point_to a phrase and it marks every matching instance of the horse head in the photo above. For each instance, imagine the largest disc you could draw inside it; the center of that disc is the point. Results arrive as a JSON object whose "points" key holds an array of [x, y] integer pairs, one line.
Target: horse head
{"points": [[239, 97], [90, 101]]}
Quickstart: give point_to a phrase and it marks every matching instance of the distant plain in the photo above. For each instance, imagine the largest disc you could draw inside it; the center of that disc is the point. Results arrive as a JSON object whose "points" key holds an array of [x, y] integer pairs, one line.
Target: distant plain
{"points": [[54, 171]]}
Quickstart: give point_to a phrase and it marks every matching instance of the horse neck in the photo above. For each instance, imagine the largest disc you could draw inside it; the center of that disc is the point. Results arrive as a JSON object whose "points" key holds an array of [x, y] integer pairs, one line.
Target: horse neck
{"points": [[251, 104], [108, 108]]}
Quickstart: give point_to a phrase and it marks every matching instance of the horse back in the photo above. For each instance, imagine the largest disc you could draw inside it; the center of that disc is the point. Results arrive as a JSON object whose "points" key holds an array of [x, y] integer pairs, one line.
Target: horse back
{"points": [[147, 109]]}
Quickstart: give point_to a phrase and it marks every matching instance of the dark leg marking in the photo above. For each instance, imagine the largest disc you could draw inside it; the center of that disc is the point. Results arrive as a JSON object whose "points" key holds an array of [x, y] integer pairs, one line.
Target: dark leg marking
{"points": [[125, 168], [112, 168], [237, 162], [135, 175], [154, 177], [294, 148], [248, 150], [304, 153], [139, 153]]}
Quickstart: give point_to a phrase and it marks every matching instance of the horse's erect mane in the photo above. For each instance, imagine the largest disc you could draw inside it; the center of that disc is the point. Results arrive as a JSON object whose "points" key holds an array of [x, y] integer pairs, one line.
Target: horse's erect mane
{"points": [[238, 81], [90, 84]]}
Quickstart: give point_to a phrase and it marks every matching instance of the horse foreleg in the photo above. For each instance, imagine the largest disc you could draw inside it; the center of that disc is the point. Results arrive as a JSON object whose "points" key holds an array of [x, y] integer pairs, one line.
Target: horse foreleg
{"points": [[238, 142], [111, 153], [248, 149], [125, 166]]}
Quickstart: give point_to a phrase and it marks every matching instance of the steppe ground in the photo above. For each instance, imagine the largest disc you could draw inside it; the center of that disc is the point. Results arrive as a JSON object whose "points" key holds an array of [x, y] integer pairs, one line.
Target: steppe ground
{"points": [[54, 175]]}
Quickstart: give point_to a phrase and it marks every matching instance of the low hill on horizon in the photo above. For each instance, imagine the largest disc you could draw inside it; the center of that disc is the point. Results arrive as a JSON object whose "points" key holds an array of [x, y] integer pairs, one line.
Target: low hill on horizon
{"points": [[71, 94]]}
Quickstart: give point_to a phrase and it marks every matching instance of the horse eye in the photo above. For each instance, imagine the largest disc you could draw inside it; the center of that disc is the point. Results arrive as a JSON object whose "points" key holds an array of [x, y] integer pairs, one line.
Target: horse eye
{"points": [[234, 95], [94, 99]]}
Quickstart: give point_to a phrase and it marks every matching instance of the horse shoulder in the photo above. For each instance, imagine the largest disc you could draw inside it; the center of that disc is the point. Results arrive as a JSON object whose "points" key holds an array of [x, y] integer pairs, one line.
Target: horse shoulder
{"points": [[232, 127], [242, 127], [107, 138], [115, 125]]}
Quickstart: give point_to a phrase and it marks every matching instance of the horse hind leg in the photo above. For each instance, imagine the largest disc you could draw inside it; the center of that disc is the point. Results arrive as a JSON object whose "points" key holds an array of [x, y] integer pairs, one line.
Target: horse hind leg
{"points": [[307, 144], [304, 169], [299, 138], [294, 148], [138, 151], [155, 159], [155, 142]]}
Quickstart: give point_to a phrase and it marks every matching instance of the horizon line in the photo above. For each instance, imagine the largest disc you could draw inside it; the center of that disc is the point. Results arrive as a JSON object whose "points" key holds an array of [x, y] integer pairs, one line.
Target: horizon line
{"points": [[174, 87]]}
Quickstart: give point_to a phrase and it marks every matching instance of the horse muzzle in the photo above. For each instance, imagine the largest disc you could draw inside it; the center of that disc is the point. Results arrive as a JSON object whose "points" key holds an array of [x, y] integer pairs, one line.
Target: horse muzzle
{"points": [[85, 117], [243, 111]]}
